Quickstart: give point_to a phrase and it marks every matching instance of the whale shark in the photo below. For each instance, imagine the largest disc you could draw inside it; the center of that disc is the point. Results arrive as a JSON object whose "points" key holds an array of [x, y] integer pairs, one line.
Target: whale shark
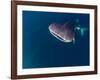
{"points": [[66, 32]]}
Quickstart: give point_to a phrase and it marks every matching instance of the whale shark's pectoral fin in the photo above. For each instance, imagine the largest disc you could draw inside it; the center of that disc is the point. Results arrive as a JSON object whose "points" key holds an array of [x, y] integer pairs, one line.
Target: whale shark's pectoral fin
{"points": [[73, 40], [82, 30]]}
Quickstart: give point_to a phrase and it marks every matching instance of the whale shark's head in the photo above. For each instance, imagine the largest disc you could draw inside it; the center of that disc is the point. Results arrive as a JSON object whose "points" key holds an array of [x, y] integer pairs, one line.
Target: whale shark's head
{"points": [[61, 32]]}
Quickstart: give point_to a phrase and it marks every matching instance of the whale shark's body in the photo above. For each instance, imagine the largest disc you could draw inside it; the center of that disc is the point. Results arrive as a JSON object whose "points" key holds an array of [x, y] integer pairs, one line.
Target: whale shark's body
{"points": [[65, 32]]}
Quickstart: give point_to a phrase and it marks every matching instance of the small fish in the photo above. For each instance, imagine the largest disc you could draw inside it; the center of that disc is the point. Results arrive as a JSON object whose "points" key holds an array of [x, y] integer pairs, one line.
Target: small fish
{"points": [[65, 32]]}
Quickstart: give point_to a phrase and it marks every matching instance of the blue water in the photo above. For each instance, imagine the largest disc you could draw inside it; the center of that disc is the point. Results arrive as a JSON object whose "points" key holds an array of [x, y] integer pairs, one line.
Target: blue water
{"points": [[41, 49]]}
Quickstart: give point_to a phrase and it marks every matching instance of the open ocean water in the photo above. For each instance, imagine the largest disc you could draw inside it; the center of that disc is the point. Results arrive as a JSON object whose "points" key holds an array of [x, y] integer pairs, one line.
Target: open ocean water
{"points": [[42, 50]]}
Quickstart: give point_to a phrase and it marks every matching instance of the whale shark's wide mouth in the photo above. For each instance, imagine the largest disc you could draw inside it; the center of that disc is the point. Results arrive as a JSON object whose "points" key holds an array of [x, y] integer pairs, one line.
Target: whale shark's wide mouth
{"points": [[58, 36]]}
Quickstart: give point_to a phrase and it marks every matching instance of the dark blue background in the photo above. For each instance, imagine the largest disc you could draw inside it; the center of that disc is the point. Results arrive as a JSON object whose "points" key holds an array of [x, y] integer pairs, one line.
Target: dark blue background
{"points": [[41, 49]]}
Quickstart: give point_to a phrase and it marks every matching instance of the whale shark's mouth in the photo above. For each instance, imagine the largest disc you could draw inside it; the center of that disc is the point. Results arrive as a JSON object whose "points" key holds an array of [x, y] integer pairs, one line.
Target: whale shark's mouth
{"points": [[58, 36]]}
